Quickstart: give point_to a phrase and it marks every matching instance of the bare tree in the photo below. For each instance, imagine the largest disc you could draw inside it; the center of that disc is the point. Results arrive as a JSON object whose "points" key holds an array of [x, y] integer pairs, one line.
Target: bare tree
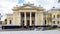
{"points": [[58, 0], [0, 16]]}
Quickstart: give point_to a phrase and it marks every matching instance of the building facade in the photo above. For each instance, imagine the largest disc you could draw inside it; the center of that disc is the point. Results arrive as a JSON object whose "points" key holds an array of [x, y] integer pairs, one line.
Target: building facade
{"points": [[30, 15]]}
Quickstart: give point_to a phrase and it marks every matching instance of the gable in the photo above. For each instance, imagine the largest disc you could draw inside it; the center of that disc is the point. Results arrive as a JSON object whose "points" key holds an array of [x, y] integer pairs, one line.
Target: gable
{"points": [[29, 7]]}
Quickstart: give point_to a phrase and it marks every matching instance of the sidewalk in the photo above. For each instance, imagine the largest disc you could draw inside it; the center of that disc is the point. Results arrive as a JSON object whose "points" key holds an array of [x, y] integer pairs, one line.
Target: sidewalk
{"points": [[31, 32]]}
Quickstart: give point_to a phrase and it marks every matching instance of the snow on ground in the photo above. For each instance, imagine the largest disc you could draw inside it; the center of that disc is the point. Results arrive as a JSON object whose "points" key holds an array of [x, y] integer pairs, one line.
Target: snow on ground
{"points": [[31, 32]]}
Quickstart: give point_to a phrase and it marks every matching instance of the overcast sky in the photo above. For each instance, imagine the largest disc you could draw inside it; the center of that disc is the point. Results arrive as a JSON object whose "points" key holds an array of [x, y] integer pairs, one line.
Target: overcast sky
{"points": [[7, 5]]}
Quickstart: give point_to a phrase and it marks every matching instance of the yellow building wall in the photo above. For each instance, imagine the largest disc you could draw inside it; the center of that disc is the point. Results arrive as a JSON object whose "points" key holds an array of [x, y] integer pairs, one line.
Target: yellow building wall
{"points": [[55, 19], [40, 18], [15, 18], [48, 18], [8, 18]]}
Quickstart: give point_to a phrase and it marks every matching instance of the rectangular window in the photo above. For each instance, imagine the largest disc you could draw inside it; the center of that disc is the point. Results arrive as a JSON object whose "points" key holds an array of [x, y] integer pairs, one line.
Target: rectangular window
{"points": [[57, 22], [5, 21], [45, 21], [10, 21], [53, 16], [57, 16]]}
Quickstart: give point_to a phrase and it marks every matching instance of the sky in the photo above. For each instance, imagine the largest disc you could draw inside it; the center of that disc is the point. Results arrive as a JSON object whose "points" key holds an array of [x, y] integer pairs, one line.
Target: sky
{"points": [[7, 5]]}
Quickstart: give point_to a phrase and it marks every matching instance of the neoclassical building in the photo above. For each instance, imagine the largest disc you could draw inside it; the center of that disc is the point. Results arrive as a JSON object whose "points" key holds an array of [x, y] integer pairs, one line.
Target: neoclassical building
{"points": [[30, 15]]}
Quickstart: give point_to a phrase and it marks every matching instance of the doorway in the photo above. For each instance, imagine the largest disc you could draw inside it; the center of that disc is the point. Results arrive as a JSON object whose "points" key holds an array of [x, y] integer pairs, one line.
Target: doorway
{"points": [[28, 23]]}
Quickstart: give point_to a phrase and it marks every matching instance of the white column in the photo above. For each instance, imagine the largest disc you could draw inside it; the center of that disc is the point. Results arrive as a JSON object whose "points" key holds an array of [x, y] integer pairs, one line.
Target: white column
{"points": [[25, 18], [30, 18], [18, 18], [36, 18]]}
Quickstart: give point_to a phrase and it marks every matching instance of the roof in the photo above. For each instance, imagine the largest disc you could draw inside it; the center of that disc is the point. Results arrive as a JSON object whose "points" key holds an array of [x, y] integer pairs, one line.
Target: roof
{"points": [[27, 6]]}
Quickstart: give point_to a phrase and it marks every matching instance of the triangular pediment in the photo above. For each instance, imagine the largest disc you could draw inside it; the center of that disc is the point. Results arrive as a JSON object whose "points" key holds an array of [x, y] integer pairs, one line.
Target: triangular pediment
{"points": [[27, 7]]}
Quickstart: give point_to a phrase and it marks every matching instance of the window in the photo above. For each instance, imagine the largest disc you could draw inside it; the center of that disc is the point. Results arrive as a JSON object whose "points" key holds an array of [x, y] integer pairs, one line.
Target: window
{"points": [[54, 16], [53, 22], [57, 16], [57, 22], [5, 21], [45, 21], [10, 22]]}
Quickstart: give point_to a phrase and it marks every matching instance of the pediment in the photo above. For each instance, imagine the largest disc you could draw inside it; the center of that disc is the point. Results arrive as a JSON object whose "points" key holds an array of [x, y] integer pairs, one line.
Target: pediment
{"points": [[28, 7]]}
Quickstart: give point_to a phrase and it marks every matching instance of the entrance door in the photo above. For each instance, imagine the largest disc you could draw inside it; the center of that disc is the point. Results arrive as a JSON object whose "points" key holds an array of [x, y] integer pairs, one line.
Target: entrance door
{"points": [[28, 23], [22, 23]]}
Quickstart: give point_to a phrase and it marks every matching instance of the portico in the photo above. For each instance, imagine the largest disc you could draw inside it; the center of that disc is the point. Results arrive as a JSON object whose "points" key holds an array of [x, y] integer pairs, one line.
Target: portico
{"points": [[27, 18]]}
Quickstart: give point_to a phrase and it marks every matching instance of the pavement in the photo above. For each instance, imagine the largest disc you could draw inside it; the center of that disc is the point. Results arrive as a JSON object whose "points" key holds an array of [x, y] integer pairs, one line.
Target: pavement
{"points": [[31, 32]]}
